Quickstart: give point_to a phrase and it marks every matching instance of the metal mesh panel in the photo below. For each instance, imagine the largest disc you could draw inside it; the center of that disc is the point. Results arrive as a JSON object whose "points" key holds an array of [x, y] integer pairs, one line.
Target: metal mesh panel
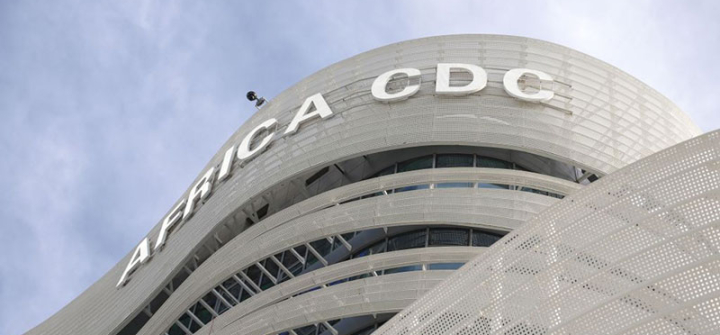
{"points": [[638, 252]]}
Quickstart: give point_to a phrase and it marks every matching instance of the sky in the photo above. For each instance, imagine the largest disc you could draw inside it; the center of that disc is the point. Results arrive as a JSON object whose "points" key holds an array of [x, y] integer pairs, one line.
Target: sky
{"points": [[109, 110]]}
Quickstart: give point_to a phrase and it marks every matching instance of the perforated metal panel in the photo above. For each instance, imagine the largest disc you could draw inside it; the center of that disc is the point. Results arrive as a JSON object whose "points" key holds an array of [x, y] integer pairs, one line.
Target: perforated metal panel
{"points": [[637, 252]]}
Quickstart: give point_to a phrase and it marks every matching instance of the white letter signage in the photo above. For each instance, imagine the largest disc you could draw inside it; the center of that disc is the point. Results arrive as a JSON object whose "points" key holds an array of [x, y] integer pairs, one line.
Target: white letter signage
{"points": [[442, 79], [379, 86], [141, 255], [510, 81]]}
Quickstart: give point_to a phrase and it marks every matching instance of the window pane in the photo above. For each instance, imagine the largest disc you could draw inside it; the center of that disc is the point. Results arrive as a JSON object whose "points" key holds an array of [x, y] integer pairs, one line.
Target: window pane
{"points": [[378, 248], [445, 266], [361, 253], [424, 162], [202, 313], [495, 186], [410, 240], [454, 160], [488, 162], [532, 190], [483, 239], [253, 273], [176, 330], [403, 269], [321, 246], [453, 185], [384, 172], [411, 188], [449, 236]]}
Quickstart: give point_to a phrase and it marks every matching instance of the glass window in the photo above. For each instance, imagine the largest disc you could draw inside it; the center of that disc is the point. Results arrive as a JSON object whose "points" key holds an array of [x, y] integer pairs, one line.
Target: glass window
{"points": [[378, 248], [348, 236], [272, 267], [453, 160], [445, 266], [453, 185], [176, 330], [233, 287], [419, 163], [291, 263], [532, 190], [186, 321], [361, 253], [245, 295], [411, 188], [488, 162], [216, 304], [310, 259], [253, 272], [372, 195], [384, 172], [364, 275], [409, 240], [266, 282], [449, 236], [202, 313], [323, 247], [495, 186], [483, 239], [403, 269], [307, 330], [225, 296]]}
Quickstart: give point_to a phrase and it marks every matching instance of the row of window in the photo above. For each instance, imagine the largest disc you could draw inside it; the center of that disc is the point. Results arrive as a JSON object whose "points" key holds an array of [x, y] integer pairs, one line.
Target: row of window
{"points": [[424, 162], [330, 327], [382, 272], [447, 161], [457, 185], [295, 261]]}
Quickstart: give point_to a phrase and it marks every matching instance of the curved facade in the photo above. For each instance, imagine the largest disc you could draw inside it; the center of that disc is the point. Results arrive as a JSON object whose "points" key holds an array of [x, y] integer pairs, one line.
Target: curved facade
{"points": [[636, 253], [337, 205]]}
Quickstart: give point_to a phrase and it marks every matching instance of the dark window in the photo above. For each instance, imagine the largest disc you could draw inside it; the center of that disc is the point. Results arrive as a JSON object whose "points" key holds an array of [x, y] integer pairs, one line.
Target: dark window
{"points": [[323, 247], [176, 330], [488, 162], [262, 211], [233, 287], [378, 248], [408, 268], [253, 272], [495, 186], [453, 160], [317, 176], [453, 185], [411, 188], [532, 190], [361, 253], [445, 266], [483, 239], [384, 172], [409, 240], [449, 236], [419, 163]]}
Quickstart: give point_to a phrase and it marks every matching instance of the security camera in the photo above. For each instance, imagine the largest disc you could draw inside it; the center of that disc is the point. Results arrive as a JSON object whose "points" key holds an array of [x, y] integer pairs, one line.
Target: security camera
{"points": [[259, 101]]}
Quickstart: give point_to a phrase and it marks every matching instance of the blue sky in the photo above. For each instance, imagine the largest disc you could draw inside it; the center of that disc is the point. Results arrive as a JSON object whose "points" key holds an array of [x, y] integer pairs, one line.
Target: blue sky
{"points": [[110, 109]]}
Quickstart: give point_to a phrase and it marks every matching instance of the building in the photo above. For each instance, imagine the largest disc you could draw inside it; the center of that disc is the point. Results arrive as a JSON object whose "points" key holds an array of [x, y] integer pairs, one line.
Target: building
{"points": [[350, 195]]}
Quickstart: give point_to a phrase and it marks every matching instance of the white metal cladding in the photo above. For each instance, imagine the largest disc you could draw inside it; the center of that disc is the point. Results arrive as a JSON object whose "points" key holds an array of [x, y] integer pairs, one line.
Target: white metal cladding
{"points": [[637, 252], [614, 120], [501, 210], [229, 322], [373, 295]]}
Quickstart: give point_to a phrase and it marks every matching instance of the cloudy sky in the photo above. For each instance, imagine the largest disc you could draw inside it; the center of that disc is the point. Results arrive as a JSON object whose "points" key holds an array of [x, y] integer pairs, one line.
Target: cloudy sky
{"points": [[110, 110]]}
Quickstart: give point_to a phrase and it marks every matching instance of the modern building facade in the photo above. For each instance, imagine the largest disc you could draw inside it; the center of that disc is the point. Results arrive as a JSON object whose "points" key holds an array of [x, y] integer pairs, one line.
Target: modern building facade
{"points": [[353, 193]]}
